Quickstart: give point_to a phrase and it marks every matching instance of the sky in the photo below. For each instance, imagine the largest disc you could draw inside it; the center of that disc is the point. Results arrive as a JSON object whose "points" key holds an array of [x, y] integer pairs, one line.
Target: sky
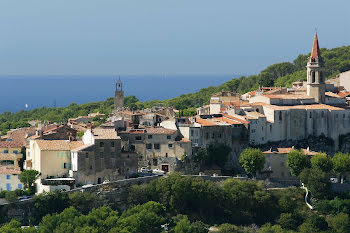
{"points": [[90, 37]]}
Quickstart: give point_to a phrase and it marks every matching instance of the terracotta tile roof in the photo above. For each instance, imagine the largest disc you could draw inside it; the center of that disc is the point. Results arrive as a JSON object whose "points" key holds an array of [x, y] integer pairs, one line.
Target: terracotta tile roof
{"points": [[288, 96], [344, 94], [11, 144], [58, 145], [159, 130], [236, 119], [229, 121], [204, 122], [19, 135], [9, 170], [307, 107], [287, 150], [100, 133], [331, 94], [82, 147]]}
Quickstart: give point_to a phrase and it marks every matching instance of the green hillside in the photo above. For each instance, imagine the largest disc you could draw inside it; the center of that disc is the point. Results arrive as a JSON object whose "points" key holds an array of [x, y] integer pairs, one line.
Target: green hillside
{"points": [[281, 74]]}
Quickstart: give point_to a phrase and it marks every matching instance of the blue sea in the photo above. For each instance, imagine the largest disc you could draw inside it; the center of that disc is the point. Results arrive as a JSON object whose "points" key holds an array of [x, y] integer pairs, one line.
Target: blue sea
{"points": [[52, 90]]}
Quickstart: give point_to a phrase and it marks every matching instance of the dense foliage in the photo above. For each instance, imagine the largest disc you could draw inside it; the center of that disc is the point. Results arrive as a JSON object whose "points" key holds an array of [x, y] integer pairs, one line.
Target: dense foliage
{"points": [[281, 74], [184, 204]]}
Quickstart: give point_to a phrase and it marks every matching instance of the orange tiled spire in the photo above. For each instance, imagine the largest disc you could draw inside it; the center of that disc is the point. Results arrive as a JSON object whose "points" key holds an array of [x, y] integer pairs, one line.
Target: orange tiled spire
{"points": [[315, 53]]}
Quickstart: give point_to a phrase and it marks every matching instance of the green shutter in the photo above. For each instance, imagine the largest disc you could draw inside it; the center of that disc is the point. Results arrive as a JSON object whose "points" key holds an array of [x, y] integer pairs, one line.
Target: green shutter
{"points": [[61, 154], [67, 154], [58, 154]]}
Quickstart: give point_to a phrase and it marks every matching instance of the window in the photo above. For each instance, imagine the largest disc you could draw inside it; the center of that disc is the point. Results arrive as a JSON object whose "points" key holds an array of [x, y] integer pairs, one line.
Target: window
{"points": [[166, 155], [19, 177], [280, 116], [155, 162], [112, 144], [20, 186], [132, 147], [6, 151], [67, 154], [322, 114], [8, 177], [267, 164], [213, 135], [252, 131], [101, 155], [138, 138], [8, 187], [101, 144], [282, 164], [343, 115], [15, 151], [170, 145], [65, 165], [207, 135], [86, 155], [157, 146], [220, 135], [149, 136], [270, 128], [168, 137], [192, 132], [62, 154], [310, 114], [313, 76], [58, 154], [149, 146], [91, 167]]}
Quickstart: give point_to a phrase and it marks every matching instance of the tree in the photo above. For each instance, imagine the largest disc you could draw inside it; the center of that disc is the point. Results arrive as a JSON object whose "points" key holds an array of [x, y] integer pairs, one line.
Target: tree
{"points": [[317, 182], [341, 164], [297, 161], [314, 223], [228, 228], [322, 162], [288, 221], [11, 196], [28, 177], [340, 223], [252, 160]]}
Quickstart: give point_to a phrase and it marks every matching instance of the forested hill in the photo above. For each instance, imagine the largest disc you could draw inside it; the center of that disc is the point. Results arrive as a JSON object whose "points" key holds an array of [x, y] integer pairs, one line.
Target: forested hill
{"points": [[337, 60]]}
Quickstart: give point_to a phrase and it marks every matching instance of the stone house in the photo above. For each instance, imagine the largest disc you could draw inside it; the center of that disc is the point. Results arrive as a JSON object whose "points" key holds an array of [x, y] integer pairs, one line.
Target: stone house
{"points": [[157, 147], [276, 168], [10, 171], [100, 158]]}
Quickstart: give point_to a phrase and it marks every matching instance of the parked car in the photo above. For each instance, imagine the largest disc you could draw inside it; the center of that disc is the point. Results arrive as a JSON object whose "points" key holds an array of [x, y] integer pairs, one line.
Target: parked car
{"points": [[145, 170], [158, 171], [24, 198], [333, 180]]}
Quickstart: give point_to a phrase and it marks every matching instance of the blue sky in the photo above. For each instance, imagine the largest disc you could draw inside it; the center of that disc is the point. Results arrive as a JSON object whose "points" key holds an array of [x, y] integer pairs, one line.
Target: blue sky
{"points": [[163, 36]]}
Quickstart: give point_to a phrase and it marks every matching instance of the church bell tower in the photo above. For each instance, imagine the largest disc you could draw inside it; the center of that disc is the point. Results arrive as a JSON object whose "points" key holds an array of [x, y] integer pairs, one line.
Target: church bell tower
{"points": [[316, 86], [119, 96]]}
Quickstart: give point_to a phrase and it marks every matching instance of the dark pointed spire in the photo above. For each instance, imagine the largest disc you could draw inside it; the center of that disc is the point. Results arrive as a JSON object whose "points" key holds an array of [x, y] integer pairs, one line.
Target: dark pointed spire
{"points": [[315, 53]]}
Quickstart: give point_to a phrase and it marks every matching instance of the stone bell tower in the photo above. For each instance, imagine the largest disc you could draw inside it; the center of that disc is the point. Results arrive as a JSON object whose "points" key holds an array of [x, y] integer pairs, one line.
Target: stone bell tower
{"points": [[316, 86], [119, 96]]}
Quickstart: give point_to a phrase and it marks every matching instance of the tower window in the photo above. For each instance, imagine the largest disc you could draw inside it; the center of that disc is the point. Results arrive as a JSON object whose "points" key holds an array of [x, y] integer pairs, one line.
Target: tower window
{"points": [[313, 76], [280, 116]]}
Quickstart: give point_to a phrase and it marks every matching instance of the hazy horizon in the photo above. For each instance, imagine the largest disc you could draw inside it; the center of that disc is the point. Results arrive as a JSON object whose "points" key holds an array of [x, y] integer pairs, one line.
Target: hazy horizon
{"points": [[85, 37]]}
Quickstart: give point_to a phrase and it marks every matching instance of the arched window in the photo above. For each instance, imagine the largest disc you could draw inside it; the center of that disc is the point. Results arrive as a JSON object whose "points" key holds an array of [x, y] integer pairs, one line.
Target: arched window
{"points": [[313, 76]]}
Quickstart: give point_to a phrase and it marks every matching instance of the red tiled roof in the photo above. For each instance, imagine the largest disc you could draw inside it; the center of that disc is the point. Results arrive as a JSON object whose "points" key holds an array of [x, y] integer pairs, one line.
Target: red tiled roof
{"points": [[315, 53], [55, 145], [236, 119], [159, 131], [9, 170], [287, 150], [204, 122], [11, 144]]}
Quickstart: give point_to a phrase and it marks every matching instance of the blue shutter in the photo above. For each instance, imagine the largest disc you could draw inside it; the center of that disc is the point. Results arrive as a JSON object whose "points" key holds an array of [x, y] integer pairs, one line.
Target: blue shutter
{"points": [[20, 186], [8, 177], [8, 187]]}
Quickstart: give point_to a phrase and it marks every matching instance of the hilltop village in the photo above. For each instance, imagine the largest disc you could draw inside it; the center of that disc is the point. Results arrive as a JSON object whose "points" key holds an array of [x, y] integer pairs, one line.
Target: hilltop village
{"points": [[132, 143]]}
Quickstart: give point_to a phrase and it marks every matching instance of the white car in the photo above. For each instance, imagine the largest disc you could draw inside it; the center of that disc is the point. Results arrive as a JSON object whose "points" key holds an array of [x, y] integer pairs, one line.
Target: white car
{"points": [[158, 171], [145, 170]]}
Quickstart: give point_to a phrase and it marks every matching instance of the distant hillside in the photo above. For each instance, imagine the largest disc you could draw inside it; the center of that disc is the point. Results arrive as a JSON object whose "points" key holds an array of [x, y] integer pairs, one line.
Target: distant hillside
{"points": [[337, 60]]}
